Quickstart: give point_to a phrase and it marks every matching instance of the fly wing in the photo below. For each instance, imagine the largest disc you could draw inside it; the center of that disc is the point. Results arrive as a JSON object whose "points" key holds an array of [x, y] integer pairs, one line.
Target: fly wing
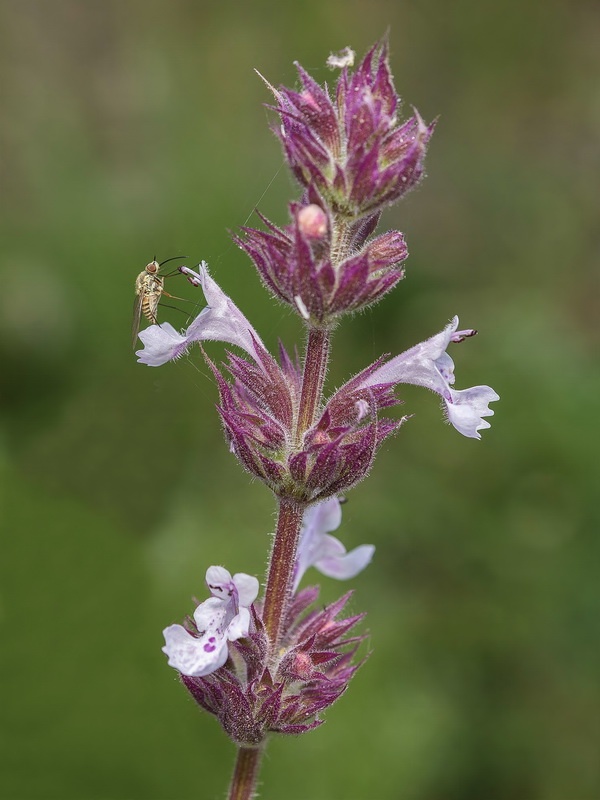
{"points": [[137, 315]]}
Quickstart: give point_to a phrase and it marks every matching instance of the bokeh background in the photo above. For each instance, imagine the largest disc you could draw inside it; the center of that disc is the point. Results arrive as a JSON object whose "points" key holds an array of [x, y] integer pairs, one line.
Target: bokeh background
{"points": [[136, 128]]}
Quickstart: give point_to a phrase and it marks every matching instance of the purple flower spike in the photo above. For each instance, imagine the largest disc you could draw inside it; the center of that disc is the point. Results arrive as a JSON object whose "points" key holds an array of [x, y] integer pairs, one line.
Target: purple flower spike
{"points": [[351, 148], [427, 364], [220, 321], [220, 619], [318, 549], [353, 158], [274, 665]]}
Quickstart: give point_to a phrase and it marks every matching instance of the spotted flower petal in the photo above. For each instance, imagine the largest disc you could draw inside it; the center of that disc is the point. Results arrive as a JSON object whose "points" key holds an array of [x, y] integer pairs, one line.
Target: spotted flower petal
{"points": [[192, 656], [220, 619]]}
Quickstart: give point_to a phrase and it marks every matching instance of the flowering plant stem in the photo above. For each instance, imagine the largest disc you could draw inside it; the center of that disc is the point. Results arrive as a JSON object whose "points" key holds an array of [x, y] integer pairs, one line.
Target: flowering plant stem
{"points": [[275, 666], [281, 568], [245, 774], [285, 544], [315, 368], [341, 236], [291, 510]]}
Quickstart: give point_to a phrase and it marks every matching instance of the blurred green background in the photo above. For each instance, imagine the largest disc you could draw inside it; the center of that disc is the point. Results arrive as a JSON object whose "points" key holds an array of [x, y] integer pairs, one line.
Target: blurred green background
{"points": [[134, 128]]}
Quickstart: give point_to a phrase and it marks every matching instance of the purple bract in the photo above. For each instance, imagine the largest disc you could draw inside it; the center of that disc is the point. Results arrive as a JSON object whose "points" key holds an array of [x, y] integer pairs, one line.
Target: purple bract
{"points": [[348, 143]]}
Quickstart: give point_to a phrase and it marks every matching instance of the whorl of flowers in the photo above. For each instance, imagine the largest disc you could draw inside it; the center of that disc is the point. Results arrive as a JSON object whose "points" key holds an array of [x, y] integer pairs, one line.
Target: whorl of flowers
{"points": [[223, 655]]}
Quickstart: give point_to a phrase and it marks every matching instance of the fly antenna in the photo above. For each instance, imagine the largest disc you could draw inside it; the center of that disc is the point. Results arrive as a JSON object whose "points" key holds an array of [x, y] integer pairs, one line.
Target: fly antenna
{"points": [[170, 259]]}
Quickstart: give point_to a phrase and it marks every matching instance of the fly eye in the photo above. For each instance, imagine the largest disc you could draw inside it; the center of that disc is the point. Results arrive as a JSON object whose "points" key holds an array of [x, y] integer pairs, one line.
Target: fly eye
{"points": [[152, 267]]}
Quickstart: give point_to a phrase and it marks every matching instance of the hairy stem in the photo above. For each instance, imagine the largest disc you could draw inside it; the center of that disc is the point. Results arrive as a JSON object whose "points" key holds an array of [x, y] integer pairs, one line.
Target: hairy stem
{"points": [[341, 238], [281, 568], [315, 368], [245, 774], [283, 555]]}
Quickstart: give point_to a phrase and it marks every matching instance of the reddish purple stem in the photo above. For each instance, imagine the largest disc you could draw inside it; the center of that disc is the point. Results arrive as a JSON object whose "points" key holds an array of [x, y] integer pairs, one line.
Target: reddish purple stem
{"points": [[245, 774]]}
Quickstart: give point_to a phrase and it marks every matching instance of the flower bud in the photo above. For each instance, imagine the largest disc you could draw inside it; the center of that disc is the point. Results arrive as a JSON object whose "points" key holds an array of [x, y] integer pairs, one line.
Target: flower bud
{"points": [[312, 222]]}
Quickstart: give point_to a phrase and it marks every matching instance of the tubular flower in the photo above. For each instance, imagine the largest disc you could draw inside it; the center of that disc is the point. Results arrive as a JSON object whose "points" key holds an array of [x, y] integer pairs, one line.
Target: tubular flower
{"points": [[221, 619], [428, 364], [318, 549], [220, 321], [349, 144]]}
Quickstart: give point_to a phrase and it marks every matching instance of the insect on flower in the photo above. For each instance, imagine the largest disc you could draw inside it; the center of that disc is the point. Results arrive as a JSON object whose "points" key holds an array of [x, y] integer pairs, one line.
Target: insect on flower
{"points": [[149, 288]]}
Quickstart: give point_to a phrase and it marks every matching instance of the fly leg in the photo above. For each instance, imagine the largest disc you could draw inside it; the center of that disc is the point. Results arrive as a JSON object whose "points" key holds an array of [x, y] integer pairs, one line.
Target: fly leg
{"points": [[174, 297]]}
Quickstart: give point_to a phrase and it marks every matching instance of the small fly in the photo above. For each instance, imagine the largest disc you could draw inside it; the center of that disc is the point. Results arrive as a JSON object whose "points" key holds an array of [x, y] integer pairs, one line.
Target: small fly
{"points": [[149, 288]]}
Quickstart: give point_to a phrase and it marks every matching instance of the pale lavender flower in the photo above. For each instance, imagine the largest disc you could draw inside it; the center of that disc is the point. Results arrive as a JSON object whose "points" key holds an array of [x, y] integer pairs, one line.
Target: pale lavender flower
{"points": [[220, 619], [427, 364], [318, 549], [221, 320]]}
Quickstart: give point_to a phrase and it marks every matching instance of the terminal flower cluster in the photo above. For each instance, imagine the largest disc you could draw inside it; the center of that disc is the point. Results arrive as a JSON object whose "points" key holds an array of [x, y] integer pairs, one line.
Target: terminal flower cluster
{"points": [[350, 145], [353, 156]]}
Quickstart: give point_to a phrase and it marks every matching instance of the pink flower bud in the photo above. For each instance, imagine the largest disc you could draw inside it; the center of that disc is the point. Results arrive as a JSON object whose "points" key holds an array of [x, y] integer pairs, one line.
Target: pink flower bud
{"points": [[312, 221]]}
